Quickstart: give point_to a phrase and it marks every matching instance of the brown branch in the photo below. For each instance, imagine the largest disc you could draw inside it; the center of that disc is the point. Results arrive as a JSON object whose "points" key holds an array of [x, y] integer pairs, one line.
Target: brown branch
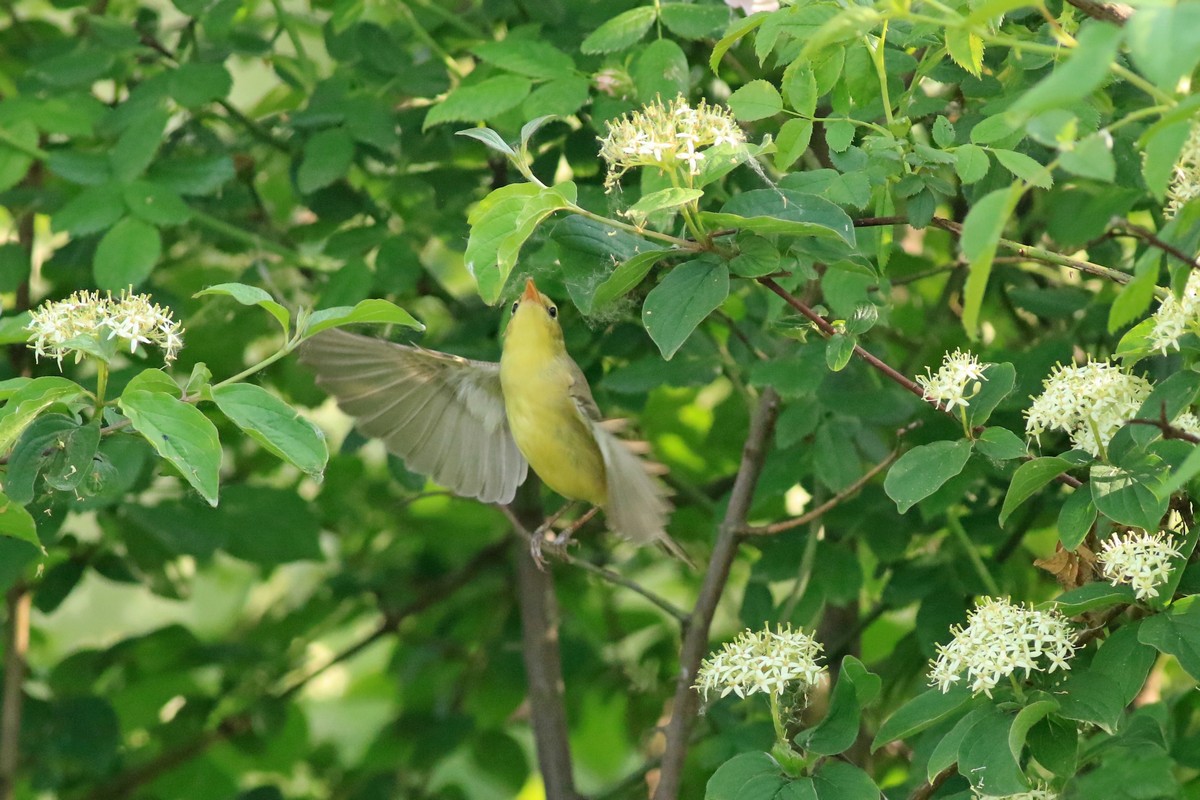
{"points": [[540, 653], [15, 648], [1149, 237], [823, 325], [1118, 13], [1169, 431], [824, 508], [930, 787], [695, 638]]}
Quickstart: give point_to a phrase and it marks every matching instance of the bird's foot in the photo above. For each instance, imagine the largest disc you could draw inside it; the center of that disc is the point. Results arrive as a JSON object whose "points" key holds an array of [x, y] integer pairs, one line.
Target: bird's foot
{"points": [[541, 543], [563, 539]]}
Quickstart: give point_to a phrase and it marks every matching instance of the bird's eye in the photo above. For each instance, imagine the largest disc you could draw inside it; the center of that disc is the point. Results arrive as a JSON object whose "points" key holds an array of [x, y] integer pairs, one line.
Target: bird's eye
{"points": [[552, 311], [515, 304]]}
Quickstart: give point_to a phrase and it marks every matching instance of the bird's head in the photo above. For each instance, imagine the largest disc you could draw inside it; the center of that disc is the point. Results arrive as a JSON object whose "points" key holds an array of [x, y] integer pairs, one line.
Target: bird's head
{"points": [[534, 315]]}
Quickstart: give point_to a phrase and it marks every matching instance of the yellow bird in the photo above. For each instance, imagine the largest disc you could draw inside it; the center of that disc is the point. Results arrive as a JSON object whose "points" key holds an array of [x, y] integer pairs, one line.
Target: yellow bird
{"points": [[476, 427]]}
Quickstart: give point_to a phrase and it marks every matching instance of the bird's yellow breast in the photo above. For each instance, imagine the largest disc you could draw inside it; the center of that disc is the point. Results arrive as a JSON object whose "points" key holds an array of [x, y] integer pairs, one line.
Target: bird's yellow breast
{"points": [[556, 440]]}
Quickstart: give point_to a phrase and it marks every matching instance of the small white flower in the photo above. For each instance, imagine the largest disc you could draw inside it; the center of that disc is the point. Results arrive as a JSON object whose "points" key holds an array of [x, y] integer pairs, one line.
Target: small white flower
{"points": [[999, 640], [956, 382], [1176, 316], [1185, 181], [761, 661], [666, 137], [1089, 402], [753, 6], [57, 328], [1141, 559]]}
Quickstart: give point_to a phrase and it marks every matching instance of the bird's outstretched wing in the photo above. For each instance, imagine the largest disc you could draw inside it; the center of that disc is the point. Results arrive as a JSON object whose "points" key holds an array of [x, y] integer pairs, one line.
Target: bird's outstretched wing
{"points": [[443, 415], [637, 498]]}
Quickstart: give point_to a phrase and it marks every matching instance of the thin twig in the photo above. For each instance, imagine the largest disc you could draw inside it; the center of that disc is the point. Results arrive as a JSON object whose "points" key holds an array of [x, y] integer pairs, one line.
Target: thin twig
{"points": [[613, 577], [824, 508], [1118, 13], [15, 648], [1169, 431], [695, 639], [1149, 237], [930, 787]]}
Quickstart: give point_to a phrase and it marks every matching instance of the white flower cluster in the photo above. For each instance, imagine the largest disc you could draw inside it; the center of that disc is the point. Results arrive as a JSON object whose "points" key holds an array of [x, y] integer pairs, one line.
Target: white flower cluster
{"points": [[1090, 403], [960, 372], [59, 328], [1141, 559], [1176, 316], [1185, 181], [999, 639], [666, 137], [761, 661], [753, 6]]}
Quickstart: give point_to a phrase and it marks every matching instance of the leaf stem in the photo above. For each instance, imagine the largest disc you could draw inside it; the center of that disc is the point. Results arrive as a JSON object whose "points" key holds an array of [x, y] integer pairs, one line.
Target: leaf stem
{"points": [[960, 533]]}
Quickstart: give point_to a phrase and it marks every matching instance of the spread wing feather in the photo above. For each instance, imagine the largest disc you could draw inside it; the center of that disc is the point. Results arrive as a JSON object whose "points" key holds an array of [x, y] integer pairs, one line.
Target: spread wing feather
{"points": [[443, 415]]}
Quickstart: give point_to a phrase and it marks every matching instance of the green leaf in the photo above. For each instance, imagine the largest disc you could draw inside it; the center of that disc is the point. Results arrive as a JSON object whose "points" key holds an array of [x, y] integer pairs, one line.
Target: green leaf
{"points": [[1125, 659], [92, 210], [800, 88], [137, 145], [923, 711], [856, 688], [1092, 697], [1134, 297], [1000, 379], [980, 237], [839, 135], [660, 71], [180, 434], [481, 101], [783, 211], [943, 132], [693, 21], [1128, 497], [1176, 633], [971, 163], [45, 437], [1024, 167], [1165, 42], [274, 424], [14, 162], [557, 98], [156, 204], [756, 257], [30, 400], [619, 32], [1054, 743], [153, 380], [490, 138], [1091, 157], [836, 780], [1028, 479], [839, 349], [965, 48], [984, 755], [1094, 596], [728, 782], [250, 296], [17, 523], [372, 311], [945, 753], [1161, 145], [1082, 74], [127, 254], [1076, 518], [71, 460], [626, 277], [923, 470], [326, 158], [737, 30], [756, 100], [662, 199], [992, 129], [1001, 444], [194, 83], [1025, 719], [688, 294], [530, 57], [501, 223], [793, 139]]}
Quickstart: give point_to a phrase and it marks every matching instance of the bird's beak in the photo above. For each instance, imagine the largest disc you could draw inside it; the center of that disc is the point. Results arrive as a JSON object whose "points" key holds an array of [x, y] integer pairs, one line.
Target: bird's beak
{"points": [[531, 292]]}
